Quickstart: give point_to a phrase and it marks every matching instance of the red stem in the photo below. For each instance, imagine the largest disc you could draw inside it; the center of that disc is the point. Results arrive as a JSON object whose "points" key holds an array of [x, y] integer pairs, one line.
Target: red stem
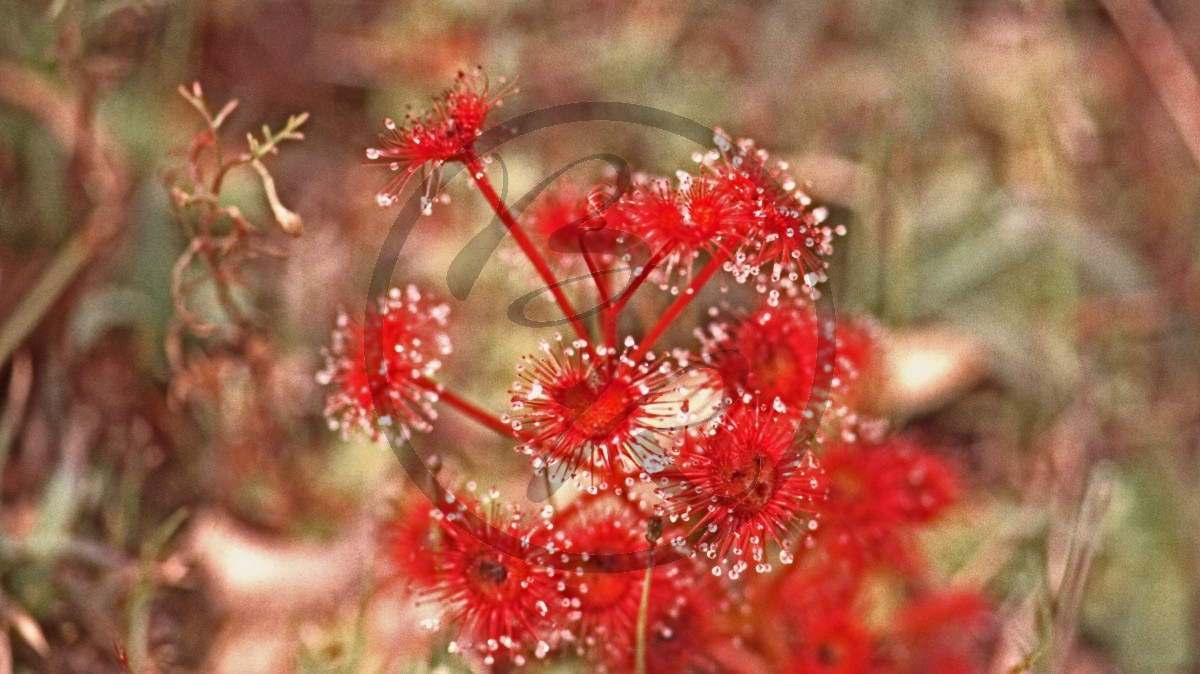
{"points": [[475, 170], [601, 284], [608, 325], [637, 281], [601, 288], [611, 315], [468, 408], [677, 307]]}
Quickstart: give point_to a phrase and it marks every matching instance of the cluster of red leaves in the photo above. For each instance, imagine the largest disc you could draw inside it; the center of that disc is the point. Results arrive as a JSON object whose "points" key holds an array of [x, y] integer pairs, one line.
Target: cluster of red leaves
{"points": [[754, 219], [880, 497], [819, 611], [744, 453]]}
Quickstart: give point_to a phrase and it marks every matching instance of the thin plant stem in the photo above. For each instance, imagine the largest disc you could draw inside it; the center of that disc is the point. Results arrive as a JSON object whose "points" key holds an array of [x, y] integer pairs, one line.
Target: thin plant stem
{"points": [[20, 384], [550, 490], [611, 315], [49, 287], [103, 167], [479, 177], [608, 327], [601, 290], [594, 270], [644, 616], [469, 409], [668, 317], [1086, 539], [636, 282]]}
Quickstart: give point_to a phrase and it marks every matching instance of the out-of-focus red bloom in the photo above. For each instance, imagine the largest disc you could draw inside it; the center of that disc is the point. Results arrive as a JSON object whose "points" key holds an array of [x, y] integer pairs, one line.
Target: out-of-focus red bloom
{"points": [[405, 335], [441, 134], [878, 494], [605, 417], [410, 540], [775, 350], [941, 633], [573, 224], [859, 344], [701, 215], [603, 604], [555, 209], [930, 484], [742, 485], [807, 620], [831, 642], [494, 587], [683, 631], [857, 339]]}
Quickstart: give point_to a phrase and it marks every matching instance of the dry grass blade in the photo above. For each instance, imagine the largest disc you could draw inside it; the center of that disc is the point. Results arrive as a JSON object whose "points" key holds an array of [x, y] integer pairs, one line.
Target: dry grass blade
{"points": [[1085, 544], [106, 176], [1163, 60], [19, 386]]}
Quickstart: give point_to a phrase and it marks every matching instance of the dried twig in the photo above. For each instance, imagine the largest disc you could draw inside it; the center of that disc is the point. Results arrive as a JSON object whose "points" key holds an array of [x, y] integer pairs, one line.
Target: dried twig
{"points": [[19, 385], [198, 206]]}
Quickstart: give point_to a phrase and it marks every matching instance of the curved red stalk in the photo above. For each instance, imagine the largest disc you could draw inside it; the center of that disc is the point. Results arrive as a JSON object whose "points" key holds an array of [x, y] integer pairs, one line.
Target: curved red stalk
{"points": [[475, 170], [689, 293], [601, 289]]}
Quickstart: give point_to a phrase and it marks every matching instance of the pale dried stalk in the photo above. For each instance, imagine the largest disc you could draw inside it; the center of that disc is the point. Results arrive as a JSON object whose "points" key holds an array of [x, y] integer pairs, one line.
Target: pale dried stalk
{"points": [[1172, 77], [1085, 544]]}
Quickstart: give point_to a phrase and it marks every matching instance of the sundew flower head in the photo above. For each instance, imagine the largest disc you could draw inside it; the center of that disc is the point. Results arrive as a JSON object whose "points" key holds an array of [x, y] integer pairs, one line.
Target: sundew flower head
{"points": [[744, 487], [427, 139], [604, 414], [403, 340]]}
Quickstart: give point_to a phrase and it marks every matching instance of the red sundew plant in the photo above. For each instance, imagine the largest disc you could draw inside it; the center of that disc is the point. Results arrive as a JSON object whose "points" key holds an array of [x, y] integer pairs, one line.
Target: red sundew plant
{"points": [[601, 601], [740, 451], [411, 341], [879, 496], [781, 342], [702, 214], [739, 487], [599, 413], [784, 228], [494, 591], [442, 134]]}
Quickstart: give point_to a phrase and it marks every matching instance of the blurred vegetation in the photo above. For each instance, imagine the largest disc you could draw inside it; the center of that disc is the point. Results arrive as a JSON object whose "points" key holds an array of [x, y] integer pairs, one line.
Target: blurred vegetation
{"points": [[1022, 206]]}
